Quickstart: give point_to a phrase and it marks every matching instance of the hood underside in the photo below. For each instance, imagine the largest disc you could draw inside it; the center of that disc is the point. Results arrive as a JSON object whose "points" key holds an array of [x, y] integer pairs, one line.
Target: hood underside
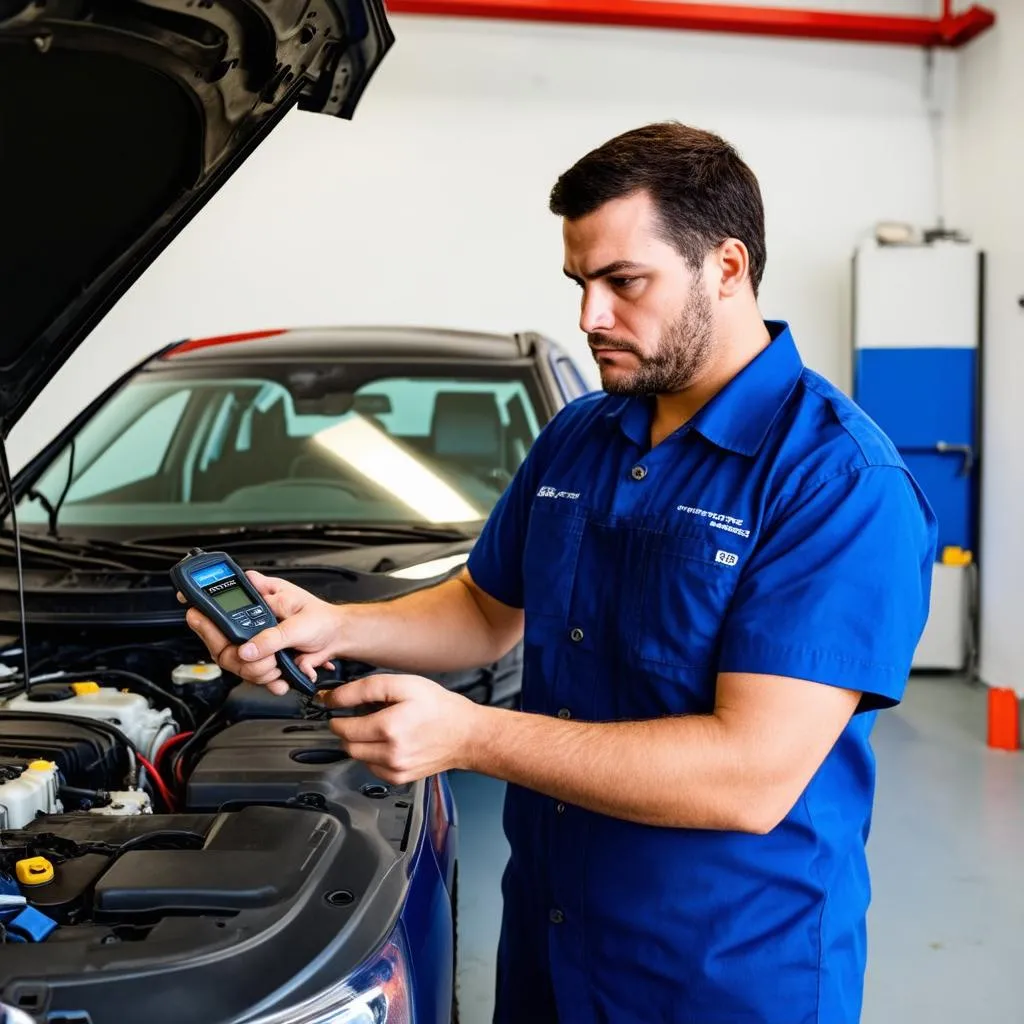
{"points": [[119, 119]]}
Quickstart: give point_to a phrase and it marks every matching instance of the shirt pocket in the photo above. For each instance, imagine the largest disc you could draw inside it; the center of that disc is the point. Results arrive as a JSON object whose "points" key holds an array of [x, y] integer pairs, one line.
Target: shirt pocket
{"points": [[549, 563], [685, 589]]}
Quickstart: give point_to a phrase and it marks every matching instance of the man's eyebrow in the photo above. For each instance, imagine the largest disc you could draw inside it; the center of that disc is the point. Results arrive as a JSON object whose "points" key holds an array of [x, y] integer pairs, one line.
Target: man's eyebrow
{"points": [[618, 267]]}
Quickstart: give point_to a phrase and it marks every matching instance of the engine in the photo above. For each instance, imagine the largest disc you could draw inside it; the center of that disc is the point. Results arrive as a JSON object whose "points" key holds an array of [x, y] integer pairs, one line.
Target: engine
{"points": [[145, 726], [121, 798]]}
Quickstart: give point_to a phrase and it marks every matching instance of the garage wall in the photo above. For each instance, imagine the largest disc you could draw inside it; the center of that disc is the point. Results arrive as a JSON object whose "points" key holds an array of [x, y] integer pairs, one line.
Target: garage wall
{"points": [[990, 205], [430, 207]]}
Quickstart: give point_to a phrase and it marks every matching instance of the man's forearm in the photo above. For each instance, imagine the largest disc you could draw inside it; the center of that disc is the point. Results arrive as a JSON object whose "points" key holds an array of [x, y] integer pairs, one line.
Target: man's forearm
{"points": [[445, 628], [681, 772]]}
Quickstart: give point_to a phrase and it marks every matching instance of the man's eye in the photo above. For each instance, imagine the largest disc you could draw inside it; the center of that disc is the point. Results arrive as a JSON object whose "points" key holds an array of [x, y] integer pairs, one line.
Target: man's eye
{"points": [[623, 282]]}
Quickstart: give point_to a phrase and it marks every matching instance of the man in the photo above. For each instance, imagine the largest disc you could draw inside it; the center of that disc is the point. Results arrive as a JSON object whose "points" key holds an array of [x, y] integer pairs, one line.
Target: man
{"points": [[720, 569]]}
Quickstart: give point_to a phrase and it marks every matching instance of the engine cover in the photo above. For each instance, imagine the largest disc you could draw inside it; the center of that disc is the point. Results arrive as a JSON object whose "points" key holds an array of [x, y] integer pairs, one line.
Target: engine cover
{"points": [[87, 756], [269, 761]]}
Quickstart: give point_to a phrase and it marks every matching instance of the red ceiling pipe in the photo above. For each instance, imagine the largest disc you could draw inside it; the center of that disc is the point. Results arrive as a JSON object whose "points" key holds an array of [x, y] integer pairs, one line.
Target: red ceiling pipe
{"points": [[949, 30]]}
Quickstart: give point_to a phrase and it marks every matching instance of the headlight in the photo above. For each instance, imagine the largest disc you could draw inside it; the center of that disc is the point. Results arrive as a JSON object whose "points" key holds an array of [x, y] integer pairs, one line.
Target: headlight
{"points": [[378, 993], [12, 1015], [424, 570]]}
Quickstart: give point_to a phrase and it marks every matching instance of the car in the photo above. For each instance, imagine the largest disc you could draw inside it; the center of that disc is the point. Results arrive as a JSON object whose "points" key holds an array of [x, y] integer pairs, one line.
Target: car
{"points": [[176, 844], [357, 462]]}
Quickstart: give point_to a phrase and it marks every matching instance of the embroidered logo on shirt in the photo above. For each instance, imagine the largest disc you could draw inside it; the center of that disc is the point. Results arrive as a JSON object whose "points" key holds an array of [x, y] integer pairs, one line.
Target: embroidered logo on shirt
{"points": [[551, 492], [726, 557], [719, 522]]}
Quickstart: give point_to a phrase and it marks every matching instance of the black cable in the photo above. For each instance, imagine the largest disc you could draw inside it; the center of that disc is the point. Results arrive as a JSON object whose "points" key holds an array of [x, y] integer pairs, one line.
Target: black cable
{"points": [[164, 647], [5, 471], [188, 747], [67, 487], [84, 794], [93, 797]]}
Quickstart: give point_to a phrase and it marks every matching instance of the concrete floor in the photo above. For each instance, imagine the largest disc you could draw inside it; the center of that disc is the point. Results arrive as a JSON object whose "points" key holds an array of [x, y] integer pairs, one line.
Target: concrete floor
{"points": [[947, 855]]}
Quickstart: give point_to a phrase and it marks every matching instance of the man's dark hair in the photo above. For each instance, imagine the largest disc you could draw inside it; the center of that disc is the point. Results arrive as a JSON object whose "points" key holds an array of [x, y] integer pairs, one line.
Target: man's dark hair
{"points": [[703, 191]]}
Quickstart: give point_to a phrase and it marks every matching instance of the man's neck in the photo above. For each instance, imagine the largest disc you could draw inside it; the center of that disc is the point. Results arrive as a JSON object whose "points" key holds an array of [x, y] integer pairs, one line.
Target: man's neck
{"points": [[733, 350]]}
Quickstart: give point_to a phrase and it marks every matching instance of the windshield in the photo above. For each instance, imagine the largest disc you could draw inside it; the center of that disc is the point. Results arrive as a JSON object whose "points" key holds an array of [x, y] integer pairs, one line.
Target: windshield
{"points": [[337, 442]]}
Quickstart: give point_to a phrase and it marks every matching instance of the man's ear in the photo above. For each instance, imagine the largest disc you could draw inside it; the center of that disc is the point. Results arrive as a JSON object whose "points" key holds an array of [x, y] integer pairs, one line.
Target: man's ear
{"points": [[732, 267]]}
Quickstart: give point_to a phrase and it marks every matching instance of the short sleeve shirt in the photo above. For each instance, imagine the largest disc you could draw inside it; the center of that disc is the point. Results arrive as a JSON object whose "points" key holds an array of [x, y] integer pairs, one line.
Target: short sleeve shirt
{"points": [[777, 532]]}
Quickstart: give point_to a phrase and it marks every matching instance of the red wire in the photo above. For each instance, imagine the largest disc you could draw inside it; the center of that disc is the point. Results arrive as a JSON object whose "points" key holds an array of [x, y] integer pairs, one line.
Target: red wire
{"points": [[173, 741], [165, 793]]}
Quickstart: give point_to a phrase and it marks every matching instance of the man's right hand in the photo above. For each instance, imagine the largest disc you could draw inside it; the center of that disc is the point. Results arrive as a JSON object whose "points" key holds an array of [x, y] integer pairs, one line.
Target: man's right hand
{"points": [[306, 624]]}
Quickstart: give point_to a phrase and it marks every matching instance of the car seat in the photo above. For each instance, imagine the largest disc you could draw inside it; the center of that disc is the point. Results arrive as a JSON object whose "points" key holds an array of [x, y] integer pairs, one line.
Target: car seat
{"points": [[265, 456], [466, 432]]}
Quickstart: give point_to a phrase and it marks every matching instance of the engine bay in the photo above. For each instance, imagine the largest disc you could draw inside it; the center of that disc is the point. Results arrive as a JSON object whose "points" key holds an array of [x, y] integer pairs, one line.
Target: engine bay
{"points": [[136, 809]]}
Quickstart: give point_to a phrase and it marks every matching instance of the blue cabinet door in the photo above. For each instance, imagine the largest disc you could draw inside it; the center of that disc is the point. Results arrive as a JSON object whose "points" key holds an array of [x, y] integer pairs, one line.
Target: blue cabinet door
{"points": [[924, 399]]}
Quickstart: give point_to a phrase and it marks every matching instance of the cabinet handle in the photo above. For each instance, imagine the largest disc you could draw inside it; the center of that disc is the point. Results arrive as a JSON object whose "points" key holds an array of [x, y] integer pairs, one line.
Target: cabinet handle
{"points": [[964, 449]]}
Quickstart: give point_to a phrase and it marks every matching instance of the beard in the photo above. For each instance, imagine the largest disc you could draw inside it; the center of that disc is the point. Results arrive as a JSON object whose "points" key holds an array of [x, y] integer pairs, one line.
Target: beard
{"points": [[683, 350]]}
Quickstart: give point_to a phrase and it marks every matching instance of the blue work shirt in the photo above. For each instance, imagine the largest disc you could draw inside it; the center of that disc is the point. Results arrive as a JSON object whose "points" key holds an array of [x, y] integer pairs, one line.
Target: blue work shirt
{"points": [[778, 532]]}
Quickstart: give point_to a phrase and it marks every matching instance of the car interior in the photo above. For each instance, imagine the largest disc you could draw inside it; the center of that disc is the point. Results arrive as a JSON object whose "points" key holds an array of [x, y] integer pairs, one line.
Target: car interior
{"points": [[259, 443]]}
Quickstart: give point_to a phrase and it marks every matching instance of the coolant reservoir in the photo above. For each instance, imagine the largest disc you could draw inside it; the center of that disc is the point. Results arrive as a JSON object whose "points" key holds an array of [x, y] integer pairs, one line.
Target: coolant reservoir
{"points": [[27, 793], [145, 726], [199, 681], [198, 672]]}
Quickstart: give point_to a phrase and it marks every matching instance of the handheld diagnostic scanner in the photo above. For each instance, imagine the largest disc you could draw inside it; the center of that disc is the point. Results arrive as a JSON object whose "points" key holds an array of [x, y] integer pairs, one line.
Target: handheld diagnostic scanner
{"points": [[214, 584]]}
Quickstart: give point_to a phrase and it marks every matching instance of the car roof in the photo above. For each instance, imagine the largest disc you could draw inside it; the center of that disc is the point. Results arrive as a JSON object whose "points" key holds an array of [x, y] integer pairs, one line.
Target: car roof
{"points": [[369, 342]]}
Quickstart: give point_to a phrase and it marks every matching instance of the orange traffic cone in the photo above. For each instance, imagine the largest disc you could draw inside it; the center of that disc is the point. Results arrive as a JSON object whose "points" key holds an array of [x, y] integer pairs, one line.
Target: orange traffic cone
{"points": [[1003, 719]]}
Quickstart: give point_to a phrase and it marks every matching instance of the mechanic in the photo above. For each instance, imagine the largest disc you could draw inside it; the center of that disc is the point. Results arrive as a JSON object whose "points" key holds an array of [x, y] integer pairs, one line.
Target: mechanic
{"points": [[720, 569]]}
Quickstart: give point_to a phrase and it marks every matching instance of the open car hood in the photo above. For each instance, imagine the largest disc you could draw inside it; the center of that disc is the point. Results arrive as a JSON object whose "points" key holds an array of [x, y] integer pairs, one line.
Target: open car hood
{"points": [[119, 119]]}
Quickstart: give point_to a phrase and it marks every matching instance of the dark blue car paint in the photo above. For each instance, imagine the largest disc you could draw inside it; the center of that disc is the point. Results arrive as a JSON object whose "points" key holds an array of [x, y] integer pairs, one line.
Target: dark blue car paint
{"points": [[428, 917]]}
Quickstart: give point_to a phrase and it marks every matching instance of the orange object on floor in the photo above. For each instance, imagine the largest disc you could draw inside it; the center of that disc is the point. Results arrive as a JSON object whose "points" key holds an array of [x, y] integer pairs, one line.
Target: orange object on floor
{"points": [[1003, 719]]}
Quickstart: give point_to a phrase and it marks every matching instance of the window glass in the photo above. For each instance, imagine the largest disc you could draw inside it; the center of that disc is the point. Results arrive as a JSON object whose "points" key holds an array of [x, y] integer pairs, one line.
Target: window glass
{"points": [[319, 442]]}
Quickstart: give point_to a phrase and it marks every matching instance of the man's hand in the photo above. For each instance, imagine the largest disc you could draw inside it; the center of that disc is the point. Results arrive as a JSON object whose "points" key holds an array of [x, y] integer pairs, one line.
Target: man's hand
{"points": [[425, 729], [305, 623]]}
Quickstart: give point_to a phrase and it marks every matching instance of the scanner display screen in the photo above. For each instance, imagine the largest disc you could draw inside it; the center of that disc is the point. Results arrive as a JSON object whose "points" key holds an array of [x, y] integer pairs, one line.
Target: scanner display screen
{"points": [[232, 598], [221, 584]]}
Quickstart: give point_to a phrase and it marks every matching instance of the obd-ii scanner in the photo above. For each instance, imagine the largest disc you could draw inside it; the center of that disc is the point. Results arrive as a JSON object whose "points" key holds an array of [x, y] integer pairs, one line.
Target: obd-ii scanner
{"points": [[214, 584]]}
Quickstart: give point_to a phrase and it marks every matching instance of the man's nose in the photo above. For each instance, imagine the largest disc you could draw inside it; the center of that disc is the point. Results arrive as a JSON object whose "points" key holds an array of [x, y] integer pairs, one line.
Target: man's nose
{"points": [[596, 313]]}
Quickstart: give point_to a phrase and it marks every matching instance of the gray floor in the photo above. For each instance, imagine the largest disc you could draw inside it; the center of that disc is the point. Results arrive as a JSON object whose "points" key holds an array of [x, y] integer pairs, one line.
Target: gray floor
{"points": [[947, 856]]}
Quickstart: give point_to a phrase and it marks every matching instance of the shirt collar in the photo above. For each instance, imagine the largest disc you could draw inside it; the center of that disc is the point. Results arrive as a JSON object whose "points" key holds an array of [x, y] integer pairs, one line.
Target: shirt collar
{"points": [[739, 416]]}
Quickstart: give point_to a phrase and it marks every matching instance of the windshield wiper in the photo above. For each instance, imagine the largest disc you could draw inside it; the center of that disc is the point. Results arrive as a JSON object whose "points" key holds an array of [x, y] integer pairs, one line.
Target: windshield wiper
{"points": [[316, 534], [65, 553], [124, 556]]}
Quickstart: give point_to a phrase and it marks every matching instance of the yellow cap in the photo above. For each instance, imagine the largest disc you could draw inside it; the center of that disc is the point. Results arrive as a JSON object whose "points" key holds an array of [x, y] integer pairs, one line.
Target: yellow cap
{"points": [[41, 766], [954, 555], [81, 688], [34, 871]]}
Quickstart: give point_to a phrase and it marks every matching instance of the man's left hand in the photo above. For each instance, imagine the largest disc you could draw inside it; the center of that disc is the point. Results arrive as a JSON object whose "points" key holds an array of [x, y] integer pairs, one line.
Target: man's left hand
{"points": [[425, 729]]}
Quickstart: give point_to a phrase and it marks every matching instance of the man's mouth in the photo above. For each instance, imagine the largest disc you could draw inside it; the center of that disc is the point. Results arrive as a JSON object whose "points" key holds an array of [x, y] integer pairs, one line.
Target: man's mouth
{"points": [[601, 353]]}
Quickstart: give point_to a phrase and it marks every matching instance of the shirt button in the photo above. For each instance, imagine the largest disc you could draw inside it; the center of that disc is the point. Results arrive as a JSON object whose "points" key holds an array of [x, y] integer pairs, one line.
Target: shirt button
{"points": [[560, 808], [564, 713], [556, 917], [576, 635], [638, 472]]}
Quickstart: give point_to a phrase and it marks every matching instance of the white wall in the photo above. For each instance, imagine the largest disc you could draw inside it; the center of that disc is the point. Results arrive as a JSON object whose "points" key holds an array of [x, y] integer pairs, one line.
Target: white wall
{"points": [[990, 204], [430, 207]]}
